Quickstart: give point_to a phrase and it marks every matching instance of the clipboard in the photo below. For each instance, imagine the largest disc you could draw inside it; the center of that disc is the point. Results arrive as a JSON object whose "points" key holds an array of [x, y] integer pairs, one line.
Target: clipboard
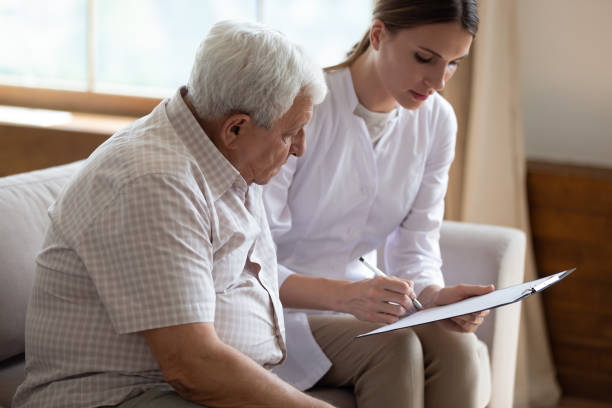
{"points": [[492, 300]]}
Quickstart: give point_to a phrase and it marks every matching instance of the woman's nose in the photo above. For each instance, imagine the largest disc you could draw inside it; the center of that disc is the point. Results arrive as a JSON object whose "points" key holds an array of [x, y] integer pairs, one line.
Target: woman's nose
{"points": [[436, 79]]}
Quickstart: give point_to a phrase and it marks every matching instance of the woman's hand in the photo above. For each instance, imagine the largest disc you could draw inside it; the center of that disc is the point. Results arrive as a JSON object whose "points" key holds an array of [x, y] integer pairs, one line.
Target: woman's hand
{"points": [[437, 296], [383, 299]]}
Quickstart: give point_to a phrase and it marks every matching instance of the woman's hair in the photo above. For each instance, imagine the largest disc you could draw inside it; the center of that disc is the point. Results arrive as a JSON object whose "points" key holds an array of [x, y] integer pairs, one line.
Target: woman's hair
{"points": [[250, 68], [401, 14]]}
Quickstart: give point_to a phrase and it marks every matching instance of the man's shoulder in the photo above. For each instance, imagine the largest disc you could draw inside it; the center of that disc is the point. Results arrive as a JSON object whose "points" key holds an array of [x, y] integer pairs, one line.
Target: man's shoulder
{"points": [[138, 154], [150, 146]]}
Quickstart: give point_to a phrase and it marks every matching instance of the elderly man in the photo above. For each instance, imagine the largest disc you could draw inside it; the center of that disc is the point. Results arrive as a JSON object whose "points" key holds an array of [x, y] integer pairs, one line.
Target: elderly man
{"points": [[156, 285]]}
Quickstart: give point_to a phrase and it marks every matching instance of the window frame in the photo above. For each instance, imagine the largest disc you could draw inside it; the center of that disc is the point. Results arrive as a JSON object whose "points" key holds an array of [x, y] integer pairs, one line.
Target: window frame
{"points": [[86, 101], [77, 101]]}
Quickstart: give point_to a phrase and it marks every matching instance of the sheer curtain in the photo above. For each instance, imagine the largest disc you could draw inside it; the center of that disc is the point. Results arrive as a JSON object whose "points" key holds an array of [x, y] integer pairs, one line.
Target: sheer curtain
{"points": [[487, 182]]}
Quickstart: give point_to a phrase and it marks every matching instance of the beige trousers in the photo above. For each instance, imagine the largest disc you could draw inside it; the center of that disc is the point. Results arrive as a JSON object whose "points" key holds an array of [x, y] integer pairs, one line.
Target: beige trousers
{"points": [[424, 366]]}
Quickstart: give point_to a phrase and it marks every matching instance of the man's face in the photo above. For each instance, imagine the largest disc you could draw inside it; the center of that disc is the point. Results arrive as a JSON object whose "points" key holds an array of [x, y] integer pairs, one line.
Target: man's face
{"points": [[266, 150]]}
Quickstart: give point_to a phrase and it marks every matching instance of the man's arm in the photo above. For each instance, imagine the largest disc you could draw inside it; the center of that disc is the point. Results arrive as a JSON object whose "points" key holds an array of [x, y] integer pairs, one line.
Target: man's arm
{"points": [[204, 370]]}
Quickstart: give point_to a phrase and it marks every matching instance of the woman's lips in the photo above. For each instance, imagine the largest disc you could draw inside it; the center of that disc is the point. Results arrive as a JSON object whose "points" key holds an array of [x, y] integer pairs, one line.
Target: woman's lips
{"points": [[418, 96]]}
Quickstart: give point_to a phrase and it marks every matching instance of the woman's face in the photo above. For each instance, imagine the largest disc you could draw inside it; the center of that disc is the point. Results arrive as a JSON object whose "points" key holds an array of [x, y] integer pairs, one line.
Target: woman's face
{"points": [[413, 63]]}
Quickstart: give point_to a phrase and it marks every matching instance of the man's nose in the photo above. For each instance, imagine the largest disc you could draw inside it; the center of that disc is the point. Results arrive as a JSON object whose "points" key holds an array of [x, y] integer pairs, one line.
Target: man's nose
{"points": [[298, 145]]}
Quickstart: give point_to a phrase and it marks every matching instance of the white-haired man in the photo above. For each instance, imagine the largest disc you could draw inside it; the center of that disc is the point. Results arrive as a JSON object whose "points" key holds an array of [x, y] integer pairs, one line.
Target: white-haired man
{"points": [[156, 285]]}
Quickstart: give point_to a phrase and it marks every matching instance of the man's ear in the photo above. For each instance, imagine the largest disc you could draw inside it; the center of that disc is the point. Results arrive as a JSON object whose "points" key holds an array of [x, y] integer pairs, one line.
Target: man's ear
{"points": [[233, 128], [377, 31]]}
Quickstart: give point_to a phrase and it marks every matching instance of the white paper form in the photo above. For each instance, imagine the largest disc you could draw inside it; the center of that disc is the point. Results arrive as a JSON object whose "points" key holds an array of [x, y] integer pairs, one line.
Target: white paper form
{"points": [[491, 300]]}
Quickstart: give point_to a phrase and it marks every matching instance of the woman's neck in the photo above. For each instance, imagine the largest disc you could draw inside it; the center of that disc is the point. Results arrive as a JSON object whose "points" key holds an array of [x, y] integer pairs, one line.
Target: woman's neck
{"points": [[368, 86]]}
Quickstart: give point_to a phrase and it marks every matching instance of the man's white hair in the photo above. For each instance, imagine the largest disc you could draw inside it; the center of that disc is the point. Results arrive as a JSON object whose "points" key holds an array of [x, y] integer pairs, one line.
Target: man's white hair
{"points": [[251, 68]]}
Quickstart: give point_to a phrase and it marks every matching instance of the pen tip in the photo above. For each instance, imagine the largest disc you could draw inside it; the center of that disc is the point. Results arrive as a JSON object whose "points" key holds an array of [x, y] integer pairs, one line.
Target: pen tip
{"points": [[361, 258]]}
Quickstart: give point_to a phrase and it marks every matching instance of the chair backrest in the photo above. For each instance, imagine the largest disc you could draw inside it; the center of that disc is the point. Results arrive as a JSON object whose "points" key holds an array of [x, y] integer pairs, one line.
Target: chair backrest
{"points": [[24, 200], [482, 254]]}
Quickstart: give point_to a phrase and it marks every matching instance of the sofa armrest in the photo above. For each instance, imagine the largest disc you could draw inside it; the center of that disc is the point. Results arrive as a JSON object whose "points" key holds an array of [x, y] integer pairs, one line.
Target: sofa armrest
{"points": [[483, 254], [24, 200]]}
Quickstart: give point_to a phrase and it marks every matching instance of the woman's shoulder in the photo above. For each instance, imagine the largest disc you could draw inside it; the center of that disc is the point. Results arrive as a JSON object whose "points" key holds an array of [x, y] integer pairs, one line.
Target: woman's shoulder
{"points": [[340, 91]]}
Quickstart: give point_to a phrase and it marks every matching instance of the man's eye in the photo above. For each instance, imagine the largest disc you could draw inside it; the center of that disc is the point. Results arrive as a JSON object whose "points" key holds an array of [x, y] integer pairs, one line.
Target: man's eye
{"points": [[420, 59]]}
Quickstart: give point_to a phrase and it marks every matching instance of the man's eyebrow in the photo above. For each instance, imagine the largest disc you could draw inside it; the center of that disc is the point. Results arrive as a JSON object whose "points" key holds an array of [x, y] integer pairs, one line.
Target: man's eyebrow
{"points": [[302, 123], [439, 56], [297, 127]]}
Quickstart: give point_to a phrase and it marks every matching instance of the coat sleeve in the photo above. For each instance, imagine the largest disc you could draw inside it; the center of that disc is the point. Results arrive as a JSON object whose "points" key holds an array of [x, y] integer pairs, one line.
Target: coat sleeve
{"points": [[275, 197], [412, 250]]}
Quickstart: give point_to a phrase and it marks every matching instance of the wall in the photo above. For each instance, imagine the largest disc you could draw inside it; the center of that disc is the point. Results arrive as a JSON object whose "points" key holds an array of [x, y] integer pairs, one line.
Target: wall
{"points": [[565, 59], [566, 56]]}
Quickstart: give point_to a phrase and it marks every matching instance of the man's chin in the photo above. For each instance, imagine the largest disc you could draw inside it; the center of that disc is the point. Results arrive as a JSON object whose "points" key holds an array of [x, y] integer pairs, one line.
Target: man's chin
{"points": [[266, 179]]}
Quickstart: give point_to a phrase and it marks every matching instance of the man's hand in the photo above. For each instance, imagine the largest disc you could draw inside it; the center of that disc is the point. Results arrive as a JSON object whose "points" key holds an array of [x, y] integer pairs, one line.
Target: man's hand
{"points": [[436, 296]]}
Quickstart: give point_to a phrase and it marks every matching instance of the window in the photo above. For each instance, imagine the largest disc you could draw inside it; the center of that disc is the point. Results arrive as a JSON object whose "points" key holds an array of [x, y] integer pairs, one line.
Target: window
{"points": [[146, 47]]}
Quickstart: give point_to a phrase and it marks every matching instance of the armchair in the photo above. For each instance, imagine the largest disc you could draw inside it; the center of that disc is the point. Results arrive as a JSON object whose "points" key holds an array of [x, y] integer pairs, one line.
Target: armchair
{"points": [[471, 253]]}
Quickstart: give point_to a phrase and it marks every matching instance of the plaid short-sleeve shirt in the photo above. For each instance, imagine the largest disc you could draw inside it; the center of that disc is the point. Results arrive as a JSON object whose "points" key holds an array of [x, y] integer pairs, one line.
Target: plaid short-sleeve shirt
{"points": [[157, 229]]}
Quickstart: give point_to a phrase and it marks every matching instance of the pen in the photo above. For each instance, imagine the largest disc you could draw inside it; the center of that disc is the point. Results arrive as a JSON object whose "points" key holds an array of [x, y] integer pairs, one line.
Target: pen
{"points": [[415, 302]]}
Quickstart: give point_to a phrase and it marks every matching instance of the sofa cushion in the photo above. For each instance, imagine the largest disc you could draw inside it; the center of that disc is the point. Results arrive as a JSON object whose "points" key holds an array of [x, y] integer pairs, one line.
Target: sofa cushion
{"points": [[24, 200], [12, 373]]}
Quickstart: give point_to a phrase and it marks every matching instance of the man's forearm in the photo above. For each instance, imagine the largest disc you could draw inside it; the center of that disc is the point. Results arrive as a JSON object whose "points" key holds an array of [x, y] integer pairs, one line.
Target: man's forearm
{"points": [[203, 369], [235, 380]]}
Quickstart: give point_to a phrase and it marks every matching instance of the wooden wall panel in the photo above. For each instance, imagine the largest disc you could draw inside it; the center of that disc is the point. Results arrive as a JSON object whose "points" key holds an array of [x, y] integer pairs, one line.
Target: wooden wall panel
{"points": [[571, 219], [30, 148]]}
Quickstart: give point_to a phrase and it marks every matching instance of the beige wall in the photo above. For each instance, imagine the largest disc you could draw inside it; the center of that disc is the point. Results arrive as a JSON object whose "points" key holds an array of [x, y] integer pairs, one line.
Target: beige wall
{"points": [[566, 79]]}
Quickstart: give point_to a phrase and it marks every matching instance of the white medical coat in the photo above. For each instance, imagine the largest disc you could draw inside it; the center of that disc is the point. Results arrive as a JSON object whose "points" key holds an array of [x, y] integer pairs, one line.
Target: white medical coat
{"points": [[345, 197]]}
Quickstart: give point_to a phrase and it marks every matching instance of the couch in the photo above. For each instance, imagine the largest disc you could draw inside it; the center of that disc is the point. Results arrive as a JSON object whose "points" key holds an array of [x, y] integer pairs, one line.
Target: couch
{"points": [[471, 254]]}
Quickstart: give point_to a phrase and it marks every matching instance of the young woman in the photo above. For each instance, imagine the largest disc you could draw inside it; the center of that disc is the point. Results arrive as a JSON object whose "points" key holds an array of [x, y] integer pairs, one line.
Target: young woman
{"points": [[375, 173]]}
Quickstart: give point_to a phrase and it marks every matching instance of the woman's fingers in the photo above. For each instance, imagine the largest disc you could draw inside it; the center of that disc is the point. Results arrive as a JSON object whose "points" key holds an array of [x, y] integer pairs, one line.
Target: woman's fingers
{"points": [[382, 299], [394, 290], [393, 309], [470, 322]]}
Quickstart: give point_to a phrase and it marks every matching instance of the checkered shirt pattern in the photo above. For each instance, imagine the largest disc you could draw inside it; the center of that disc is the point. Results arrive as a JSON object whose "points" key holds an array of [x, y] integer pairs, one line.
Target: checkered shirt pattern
{"points": [[157, 229]]}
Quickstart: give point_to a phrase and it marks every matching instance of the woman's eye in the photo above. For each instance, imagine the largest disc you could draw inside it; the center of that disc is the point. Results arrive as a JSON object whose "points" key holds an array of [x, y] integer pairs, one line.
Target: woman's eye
{"points": [[420, 59]]}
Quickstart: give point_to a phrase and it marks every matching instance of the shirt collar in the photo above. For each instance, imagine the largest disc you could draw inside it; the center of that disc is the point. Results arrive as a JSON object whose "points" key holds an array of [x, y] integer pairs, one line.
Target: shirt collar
{"points": [[351, 96], [220, 174], [349, 89]]}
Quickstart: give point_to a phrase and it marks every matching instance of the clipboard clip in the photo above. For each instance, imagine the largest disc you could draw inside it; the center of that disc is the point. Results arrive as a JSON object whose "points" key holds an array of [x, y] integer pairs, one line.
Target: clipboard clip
{"points": [[543, 285], [527, 292]]}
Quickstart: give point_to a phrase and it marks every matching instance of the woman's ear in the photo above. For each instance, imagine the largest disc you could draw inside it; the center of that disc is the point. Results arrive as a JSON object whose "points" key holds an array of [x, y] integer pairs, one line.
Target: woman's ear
{"points": [[233, 129], [377, 31]]}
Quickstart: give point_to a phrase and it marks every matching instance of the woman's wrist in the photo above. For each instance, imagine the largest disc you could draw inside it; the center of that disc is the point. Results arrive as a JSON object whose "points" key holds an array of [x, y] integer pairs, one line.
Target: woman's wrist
{"points": [[429, 295], [339, 301], [309, 292]]}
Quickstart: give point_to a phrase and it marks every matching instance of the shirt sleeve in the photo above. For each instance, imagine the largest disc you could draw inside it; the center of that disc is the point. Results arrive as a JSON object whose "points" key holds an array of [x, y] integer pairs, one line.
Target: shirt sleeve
{"points": [[412, 251], [275, 198], [149, 254]]}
